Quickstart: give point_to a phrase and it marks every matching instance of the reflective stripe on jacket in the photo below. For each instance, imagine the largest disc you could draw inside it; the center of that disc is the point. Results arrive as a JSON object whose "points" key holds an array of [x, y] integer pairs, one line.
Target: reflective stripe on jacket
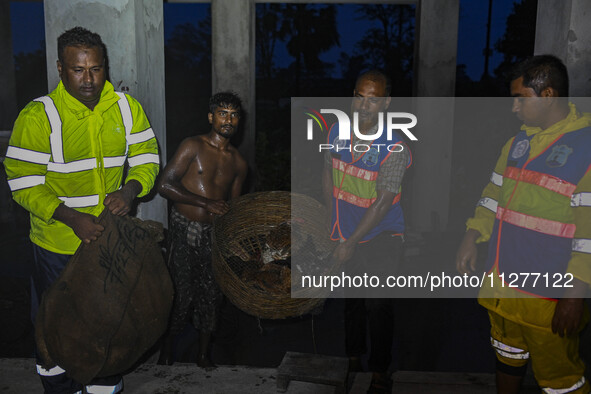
{"points": [[62, 152], [354, 186]]}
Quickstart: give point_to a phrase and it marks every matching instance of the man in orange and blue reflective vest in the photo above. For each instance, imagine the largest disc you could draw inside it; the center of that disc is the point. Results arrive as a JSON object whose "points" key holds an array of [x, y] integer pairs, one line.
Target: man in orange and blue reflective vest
{"points": [[362, 187], [536, 214]]}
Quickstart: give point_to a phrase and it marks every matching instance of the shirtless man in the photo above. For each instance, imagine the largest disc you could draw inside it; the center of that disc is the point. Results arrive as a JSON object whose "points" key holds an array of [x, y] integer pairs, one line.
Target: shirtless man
{"points": [[205, 172]]}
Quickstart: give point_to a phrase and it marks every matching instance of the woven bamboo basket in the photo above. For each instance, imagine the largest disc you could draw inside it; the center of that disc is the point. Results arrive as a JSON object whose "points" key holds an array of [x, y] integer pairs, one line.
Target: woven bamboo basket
{"points": [[258, 228]]}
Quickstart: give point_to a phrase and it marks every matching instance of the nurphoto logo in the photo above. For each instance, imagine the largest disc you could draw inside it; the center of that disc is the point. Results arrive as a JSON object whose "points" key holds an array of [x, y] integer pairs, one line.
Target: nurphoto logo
{"points": [[344, 127]]}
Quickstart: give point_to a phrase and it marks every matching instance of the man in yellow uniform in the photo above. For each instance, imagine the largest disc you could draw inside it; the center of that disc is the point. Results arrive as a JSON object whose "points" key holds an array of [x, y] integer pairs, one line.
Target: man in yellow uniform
{"points": [[536, 214], [65, 164]]}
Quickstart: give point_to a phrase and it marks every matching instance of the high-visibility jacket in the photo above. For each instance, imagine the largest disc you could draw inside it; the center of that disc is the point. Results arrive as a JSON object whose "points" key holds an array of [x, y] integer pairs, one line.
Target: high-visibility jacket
{"points": [[536, 211], [61, 152], [354, 185]]}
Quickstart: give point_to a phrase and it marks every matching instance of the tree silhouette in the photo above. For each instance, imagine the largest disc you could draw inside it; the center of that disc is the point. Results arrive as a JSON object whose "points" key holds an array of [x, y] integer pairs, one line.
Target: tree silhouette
{"points": [[520, 35], [269, 29], [310, 31], [389, 46], [307, 30], [191, 44]]}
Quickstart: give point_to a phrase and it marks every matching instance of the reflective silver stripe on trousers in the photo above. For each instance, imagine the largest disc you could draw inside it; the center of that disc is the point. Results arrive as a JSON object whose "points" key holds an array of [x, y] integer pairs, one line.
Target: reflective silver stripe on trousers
{"points": [[581, 200], [572, 388], [488, 203], [55, 122], [142, 136], [125, 116], [509, 351], [80, 202], [27, 155], [94, 389], [26, 182], [72, 166], [496, 179], [49, 372], [581, 245], [144, 159]]}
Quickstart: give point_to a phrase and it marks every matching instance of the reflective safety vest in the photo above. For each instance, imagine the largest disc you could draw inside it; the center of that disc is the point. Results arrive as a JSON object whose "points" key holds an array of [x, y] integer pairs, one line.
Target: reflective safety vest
{"points": [[534, 225], [354, 184], [62, 152]]}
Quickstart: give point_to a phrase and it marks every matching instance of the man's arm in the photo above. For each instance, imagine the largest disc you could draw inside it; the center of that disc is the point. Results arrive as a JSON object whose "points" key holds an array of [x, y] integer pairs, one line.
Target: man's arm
{"points": [[171, 187], [84, 225], [467, 252], [569, 309], [479, 227], [486, 208], [143, 156], [26, 162], [387, 187], [372, 217], [120, 201], [26, 168]]}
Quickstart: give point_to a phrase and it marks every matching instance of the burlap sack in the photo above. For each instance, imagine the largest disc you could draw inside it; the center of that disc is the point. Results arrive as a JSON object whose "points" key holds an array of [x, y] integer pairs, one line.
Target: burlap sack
{"points": [[110, 304]]}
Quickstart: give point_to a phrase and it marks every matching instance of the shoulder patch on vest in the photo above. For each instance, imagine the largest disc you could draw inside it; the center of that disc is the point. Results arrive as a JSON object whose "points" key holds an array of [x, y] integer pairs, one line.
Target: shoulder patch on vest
{"points": [[339, 144], [559, 156], [520, 149], [370, 158]]}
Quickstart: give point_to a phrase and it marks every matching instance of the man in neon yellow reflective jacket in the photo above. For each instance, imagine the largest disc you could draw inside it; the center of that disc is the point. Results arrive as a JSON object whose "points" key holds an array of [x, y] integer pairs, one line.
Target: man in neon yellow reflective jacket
{"points": [[94, 145], [65, 163], [536, 213]]}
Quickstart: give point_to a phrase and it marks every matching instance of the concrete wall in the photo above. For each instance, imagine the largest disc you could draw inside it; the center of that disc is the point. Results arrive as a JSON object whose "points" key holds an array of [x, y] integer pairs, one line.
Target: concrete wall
{"points": [[563, 29], [133, 32], [233, 62], [436, 38]]}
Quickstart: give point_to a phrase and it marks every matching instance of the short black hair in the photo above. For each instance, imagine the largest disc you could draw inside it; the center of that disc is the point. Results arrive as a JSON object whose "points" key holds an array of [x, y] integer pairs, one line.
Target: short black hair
{"points": [[541, 72], [376, 75], [225, 100], [79, 37]]}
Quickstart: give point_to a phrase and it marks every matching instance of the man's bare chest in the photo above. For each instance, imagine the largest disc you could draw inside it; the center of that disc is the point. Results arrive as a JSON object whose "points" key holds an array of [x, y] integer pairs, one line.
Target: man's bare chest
{"points": [[211, 167]]}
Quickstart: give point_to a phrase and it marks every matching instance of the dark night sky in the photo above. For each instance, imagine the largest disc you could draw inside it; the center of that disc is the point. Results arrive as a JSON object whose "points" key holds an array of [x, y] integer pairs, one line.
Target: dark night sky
{"points": [[27, 29]]}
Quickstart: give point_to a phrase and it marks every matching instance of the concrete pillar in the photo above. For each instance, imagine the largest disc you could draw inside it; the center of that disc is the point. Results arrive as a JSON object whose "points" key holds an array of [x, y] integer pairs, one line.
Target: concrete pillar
{"points": [[8, 110], [233, 62], [563, 29], [436, 38], [133, 32]]}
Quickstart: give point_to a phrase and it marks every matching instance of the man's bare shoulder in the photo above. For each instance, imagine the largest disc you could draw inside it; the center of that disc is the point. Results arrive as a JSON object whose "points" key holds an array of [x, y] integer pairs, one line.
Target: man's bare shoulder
{"points": [[192, 144]]}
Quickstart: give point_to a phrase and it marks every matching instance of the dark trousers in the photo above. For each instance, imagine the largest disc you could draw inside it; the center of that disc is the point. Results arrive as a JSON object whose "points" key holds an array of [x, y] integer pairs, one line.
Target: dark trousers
{"points": [[47, 268], [381, 257]]}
